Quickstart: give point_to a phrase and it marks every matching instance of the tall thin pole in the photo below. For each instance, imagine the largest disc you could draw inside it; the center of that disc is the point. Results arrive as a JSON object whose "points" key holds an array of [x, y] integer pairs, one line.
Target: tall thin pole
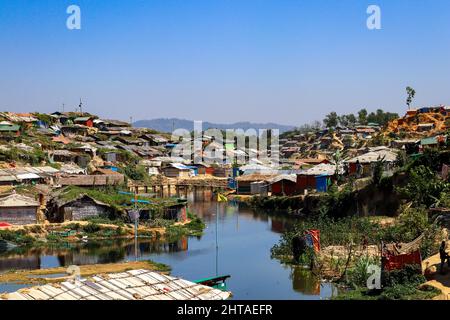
{"points": [[136, 228], [217, 239]]}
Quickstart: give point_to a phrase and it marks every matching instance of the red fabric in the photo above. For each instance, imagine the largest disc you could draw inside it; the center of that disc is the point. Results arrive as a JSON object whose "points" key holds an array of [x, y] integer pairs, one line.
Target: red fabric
{"points": [[352, 168], [315, 234], [5, 224], [183, 214], [391, 262]]}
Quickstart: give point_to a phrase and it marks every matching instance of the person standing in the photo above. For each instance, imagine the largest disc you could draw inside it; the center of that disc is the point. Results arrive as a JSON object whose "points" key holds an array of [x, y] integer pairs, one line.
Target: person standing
{"points": [[443, 256]]}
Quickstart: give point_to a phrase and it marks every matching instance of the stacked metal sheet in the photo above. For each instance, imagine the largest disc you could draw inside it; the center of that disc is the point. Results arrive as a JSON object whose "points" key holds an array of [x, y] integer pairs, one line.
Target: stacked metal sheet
{"points": [[130, 285]]}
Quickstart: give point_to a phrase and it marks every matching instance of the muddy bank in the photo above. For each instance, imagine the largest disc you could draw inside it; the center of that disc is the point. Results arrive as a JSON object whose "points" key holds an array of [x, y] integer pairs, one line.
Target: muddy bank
{"points": [[41, 276], [41, 234]]}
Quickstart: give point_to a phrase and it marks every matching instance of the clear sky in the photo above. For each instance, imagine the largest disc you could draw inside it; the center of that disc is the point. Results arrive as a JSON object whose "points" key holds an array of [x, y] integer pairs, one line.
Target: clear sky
{"points": [[286, 61]]}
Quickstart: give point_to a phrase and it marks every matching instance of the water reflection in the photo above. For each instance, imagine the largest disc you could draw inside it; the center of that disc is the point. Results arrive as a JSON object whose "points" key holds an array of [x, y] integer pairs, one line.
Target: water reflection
{"points": [[305, 281], [94, 252], [245, 237]]}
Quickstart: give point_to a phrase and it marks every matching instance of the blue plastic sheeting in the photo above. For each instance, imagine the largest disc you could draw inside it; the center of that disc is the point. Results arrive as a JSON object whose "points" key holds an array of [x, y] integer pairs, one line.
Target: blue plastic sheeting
{"points": [[140, 201], [321, 183], [127, 193]]}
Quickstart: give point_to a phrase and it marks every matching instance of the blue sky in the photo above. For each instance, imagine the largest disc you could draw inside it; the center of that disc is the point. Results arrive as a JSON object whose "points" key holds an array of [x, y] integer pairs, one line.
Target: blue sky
{"points": [[287, 61]]}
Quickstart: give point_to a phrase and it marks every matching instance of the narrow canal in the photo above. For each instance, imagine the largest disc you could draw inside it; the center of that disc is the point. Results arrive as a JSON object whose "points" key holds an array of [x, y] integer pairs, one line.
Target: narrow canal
{"points": [[245, 238]]}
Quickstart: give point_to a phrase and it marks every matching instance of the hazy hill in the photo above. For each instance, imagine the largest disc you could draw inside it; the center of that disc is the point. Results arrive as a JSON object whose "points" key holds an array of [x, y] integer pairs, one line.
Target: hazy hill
{"points": [[166, 125]]}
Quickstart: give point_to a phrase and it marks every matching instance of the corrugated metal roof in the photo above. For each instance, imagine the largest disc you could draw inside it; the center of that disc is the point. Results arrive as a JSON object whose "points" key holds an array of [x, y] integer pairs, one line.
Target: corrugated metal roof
{"points": [[130, 285], [429, 141], [369, 157], [289, 177], [82, 119], [27, 176], [322, 169], [18, 200], [180, 166], [91, 180], [4, 127]]}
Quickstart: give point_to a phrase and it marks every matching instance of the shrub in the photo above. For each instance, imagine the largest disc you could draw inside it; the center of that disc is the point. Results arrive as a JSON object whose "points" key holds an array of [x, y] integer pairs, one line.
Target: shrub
{"points": [[91, 227], [357, 275], [424, 187], [410, 275]]}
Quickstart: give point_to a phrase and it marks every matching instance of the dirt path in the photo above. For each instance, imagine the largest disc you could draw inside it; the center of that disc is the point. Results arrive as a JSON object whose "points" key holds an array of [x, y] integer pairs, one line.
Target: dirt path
{"points": [[437, 280]]}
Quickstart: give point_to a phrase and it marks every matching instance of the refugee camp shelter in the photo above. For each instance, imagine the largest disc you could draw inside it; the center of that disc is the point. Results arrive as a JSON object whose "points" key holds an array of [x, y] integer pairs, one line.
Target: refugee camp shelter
{"points": [[18, 209], [425, 127], [283, 185], [367, 161], [223, 172], [155, 139], [92, 180], [85, 121], [80, 208], [203, 169], [177, 170], [7, 127], [74, 130], [433, 142], [252, 183], [316, 178], [176, 211], [260, 188]]}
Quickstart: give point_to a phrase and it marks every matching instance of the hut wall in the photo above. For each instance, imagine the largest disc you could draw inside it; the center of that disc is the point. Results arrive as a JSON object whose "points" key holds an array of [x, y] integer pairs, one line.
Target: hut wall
{"points": [[243, 187], [80, 210], [18, 215], [259, 188], [289, 188], [171, 172], [305, 182]]}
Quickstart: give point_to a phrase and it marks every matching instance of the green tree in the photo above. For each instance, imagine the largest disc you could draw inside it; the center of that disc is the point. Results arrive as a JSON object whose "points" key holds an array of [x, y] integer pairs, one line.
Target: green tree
{"points": [[424, 186], [331, 120], [410, 92], [351, 119], [362, 116], [381, 117], [378, 171]]}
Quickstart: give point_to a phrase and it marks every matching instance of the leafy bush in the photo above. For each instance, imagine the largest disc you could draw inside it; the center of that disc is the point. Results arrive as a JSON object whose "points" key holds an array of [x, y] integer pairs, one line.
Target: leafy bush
{"points": [[18, 237], [423, 187], [357, 275], [103, 220], [409, 275], [91, 227], [342, 231], [160, 223], [74, 226], [335, 202]]}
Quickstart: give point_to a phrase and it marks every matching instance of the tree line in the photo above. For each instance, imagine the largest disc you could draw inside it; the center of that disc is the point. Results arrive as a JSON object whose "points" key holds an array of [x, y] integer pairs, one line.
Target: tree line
{"points": [[363, 117]]}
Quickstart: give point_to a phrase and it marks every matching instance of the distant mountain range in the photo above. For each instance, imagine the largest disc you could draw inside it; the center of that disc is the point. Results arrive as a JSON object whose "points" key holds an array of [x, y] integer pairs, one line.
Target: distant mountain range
{"points": [[166, 125]]}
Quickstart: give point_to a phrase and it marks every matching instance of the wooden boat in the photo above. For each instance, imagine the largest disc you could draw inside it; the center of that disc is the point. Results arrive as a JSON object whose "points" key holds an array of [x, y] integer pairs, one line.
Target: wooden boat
{"points": [[218, 282]]}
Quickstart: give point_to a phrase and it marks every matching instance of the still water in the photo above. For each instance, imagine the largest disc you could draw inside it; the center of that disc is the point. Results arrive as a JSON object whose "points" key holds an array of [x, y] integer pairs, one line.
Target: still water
{"points": [[245, 238]]}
